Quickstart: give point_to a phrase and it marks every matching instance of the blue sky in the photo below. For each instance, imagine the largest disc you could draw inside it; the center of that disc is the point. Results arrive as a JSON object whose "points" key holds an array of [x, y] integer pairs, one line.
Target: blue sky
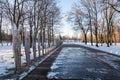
{"points": [[66, 6]]}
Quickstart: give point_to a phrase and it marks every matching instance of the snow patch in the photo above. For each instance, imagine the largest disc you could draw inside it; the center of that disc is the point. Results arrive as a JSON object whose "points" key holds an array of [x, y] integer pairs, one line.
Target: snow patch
{"points": [[54, 66], [52, 75]]}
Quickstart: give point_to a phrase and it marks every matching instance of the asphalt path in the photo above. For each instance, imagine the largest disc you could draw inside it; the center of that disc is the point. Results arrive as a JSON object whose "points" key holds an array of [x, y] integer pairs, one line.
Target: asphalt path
{"points": [[74, 62]]}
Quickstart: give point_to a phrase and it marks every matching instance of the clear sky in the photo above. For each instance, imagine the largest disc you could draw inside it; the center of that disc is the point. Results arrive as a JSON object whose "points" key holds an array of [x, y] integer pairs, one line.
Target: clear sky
{"points": [[66, 6]]}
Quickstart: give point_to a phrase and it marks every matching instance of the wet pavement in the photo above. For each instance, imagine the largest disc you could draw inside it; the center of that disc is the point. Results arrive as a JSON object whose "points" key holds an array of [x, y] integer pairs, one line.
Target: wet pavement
{"points": [[76, 62], [79, 63]]}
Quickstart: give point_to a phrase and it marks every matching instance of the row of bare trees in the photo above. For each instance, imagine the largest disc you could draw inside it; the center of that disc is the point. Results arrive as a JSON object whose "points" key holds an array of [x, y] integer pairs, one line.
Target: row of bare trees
{"points": [[98, 18], [32, 21]]}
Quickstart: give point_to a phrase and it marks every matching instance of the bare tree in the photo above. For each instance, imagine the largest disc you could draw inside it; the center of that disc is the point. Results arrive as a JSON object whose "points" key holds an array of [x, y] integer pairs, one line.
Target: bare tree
{"points": [[81, 20], [87, 4], [115, 4], [84, 29], [95, 11], [35, 15], [14, 12], [109, 15], [101, 31]]}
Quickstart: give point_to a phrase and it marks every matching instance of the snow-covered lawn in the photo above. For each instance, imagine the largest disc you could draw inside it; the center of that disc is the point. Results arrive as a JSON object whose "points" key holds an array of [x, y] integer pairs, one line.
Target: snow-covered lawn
{"points": [[7, 60], [114, 49]]}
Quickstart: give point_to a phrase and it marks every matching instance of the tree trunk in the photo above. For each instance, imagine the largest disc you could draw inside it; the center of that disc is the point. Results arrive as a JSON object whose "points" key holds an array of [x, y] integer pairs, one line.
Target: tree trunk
{"points": [[111, 36], [23, 38], [16, 48], [52, 35], [96, 36], [48, 37], [119, 37], [34, 43], [102, 40], [91, 36], [27, 46], [108, 37], [39, 44], [115, 39], [43, 42], [85, 38], [30, 38]]}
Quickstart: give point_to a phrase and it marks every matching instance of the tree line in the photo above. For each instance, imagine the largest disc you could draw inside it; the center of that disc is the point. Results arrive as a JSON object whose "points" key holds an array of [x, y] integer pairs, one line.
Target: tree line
{"points": [[97, 20], [32, 21]]}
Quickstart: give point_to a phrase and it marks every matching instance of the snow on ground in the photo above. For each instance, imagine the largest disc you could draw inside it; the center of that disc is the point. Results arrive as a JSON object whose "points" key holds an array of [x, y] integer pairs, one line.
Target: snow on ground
{"points": [[7, 60], [114, 49]]}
